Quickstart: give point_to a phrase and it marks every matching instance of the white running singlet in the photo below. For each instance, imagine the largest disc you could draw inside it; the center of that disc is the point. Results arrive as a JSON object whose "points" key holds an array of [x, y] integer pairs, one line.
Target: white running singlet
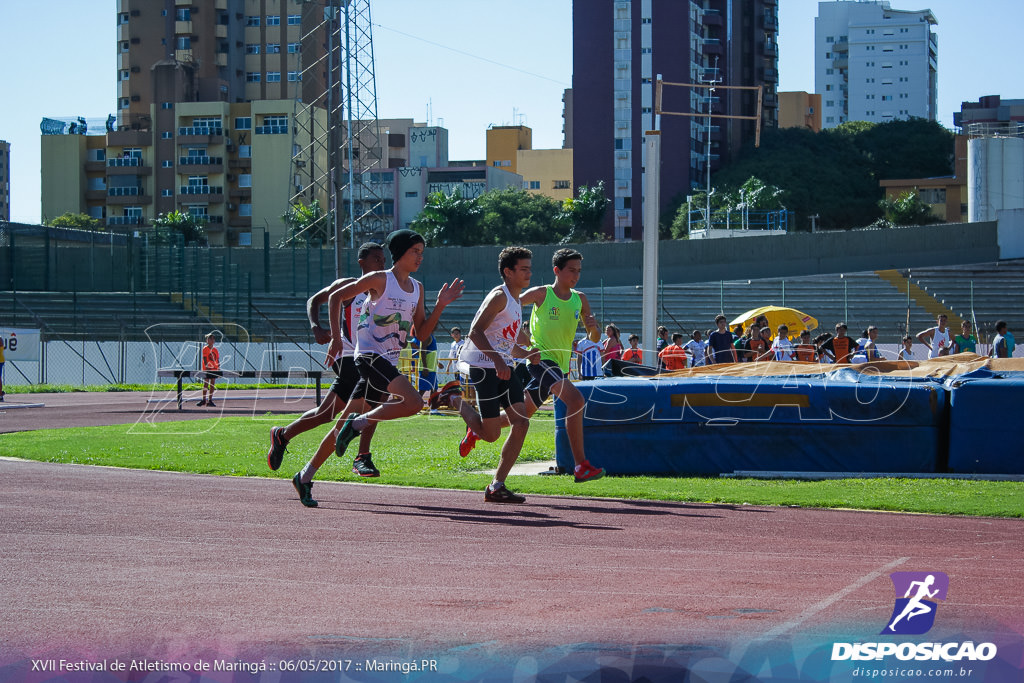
{"points": [[501, 335], [385, 324]]}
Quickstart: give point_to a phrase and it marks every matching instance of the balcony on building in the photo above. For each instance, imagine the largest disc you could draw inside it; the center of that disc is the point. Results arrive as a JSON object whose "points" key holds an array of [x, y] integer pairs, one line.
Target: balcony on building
{"points": [[240, 221], [201, 164], [115, 221], [770, 100], [771, 48], [213, 223], [770, 3], [270, 130], [769, 21], [95, 166], [240, 162], [712, 46], [208, 135], [240, 192], [841, 62], [128, 166], [841, 46], [770, 74], [198, 194], [712, 17], [98, 194], [128, 195]]}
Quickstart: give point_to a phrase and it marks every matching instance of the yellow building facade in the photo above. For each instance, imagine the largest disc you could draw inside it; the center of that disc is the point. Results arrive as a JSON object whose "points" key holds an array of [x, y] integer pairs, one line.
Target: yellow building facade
{"points": [[799, 109], [503, 142], [546, 171]]}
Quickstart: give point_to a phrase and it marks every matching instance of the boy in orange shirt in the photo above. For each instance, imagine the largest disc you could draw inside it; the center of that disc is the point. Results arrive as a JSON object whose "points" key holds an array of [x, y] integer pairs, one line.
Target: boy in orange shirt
{"points": [[211, 364], [633, 354], [673, 356]]}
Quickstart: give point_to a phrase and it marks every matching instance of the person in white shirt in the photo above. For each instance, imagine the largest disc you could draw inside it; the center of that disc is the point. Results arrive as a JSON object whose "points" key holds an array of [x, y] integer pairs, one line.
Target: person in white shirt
{"points": [[937, 339], [782, 348], [589, 360], [696, 349], [907, 352]]}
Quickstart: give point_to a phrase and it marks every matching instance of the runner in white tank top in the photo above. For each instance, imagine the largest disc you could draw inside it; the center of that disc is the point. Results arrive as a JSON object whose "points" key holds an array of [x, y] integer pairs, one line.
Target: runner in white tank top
{"points": [[385, 324], [394, 309], [501, 335]]}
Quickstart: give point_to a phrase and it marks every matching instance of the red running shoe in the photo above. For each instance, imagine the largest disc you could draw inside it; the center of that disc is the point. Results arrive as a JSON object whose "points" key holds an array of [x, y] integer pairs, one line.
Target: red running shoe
{"points": [[468, 442], [587, 472]]}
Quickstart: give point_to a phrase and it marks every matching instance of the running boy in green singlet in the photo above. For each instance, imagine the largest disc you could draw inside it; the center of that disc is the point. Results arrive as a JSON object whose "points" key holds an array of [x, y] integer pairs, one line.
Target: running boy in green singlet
{"points": [[558, 310]]}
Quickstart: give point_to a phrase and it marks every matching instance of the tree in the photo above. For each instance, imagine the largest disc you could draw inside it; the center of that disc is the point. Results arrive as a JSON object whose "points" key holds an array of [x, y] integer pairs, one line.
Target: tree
{"points": [[448, 219], [76, 220], [167, 228], [307, 224], [906, 209], [584, 214], [515, 216]]}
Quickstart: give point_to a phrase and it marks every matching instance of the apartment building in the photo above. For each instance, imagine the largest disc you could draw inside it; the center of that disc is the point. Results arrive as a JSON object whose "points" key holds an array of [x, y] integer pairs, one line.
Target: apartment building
{"points": [[800, 109], [874, 63], [620, 48], [5, 181], [220, 112]]}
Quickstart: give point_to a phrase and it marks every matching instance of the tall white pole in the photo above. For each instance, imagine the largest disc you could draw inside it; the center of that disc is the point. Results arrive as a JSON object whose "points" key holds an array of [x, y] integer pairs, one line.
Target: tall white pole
{"points": [[652, 200]]}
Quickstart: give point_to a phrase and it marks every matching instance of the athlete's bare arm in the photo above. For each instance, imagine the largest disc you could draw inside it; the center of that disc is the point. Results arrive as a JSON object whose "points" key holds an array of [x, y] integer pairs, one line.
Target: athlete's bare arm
{"points": [[320, 335], [335, 303], [533, 296], [588, 319], [374, 283]]}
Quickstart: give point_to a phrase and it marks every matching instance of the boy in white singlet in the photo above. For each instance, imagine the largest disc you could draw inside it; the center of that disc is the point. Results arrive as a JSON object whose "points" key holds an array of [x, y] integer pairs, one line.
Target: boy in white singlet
{"points": [[486, 359], [394, 308]]}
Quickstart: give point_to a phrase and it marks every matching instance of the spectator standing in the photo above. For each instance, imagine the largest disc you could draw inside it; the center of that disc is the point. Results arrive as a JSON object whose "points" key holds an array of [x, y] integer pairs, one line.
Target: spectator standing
{"points": [[907, 352], [453, 351], [782, 348], [211, 366], [720, 343], [965, 342], [839, 348], [805, 350], [633, 354], [661, 344], [673, 356], [697, 350], [937, 338], [589, 358], [2, 343], [1000, 345], [612, 346]]}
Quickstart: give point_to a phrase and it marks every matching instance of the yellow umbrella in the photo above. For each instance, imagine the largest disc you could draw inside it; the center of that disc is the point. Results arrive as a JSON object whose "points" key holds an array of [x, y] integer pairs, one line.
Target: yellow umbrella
{"points": [[795, 320]]}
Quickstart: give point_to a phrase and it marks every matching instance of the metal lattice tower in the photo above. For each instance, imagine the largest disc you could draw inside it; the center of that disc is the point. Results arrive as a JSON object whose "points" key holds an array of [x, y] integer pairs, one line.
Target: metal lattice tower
{"points": [[336, 123]]}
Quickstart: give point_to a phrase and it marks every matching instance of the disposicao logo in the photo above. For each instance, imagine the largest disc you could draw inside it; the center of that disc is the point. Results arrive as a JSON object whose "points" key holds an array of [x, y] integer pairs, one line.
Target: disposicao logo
{"points": [[914, 614], [916, 595]]}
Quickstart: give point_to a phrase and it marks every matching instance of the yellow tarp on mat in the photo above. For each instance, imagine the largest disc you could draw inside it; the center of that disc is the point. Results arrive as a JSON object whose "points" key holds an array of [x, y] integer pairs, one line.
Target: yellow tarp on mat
{"points": [[947, 366]]}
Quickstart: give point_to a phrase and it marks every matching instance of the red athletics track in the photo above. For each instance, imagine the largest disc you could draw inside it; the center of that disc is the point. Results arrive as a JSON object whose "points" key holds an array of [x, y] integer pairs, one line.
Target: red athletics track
{"points": [[103, 563]]}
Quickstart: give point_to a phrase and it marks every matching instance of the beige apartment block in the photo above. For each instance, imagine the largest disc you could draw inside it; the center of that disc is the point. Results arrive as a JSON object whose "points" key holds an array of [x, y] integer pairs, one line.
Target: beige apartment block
{"points": [[546, 171], [799, 109], [235, 166]]}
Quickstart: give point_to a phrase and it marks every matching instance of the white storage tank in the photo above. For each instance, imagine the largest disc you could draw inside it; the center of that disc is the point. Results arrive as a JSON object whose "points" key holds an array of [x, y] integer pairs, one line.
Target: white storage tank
{"points": [[995, 176]]}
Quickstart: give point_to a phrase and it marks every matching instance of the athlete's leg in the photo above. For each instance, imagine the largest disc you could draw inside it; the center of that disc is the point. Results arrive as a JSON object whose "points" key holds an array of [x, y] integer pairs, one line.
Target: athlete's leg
{"points": [[567, 393], [514, 443]]}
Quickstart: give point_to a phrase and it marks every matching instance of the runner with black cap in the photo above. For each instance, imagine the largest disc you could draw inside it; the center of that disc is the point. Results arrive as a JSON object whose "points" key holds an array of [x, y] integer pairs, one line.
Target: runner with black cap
{"points": [[386, 322]]}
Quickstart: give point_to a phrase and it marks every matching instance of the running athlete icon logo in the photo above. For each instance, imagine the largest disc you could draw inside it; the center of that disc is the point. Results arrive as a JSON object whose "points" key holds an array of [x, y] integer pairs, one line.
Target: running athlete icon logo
{"points": [[914, 612]]}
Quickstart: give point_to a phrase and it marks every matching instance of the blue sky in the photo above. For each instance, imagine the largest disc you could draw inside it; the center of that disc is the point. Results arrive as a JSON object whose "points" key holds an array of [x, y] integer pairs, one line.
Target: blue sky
{"points": [[472, 62]]}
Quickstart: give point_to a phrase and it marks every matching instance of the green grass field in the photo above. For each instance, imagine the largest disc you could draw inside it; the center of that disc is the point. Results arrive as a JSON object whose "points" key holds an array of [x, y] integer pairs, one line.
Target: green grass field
{"points": [[422, 451]]}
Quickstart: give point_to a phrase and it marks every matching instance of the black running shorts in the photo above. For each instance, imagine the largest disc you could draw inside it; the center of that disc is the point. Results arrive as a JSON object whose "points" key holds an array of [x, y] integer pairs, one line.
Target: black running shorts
{"points": [[493, 394], [375, 375], [543, 376], [347, 379]]}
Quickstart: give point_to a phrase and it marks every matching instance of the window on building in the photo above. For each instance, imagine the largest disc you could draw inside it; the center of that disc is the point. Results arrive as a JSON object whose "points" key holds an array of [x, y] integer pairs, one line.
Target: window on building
{"points": [[273, 20], [122, 18], [252, 48], [275, 120], [167, 163], [245, 180], [243, 123], [273, 48], [166, 193], [183, 14], [167, 105], [245, 151], [125, 45], [563, 184], [166, 135], [245, 209], [252, 76], [273, 77], [124, 74], [252, 21], [294, 19], [294, 76], [534, 184], [294, 48], [183, 43]]}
